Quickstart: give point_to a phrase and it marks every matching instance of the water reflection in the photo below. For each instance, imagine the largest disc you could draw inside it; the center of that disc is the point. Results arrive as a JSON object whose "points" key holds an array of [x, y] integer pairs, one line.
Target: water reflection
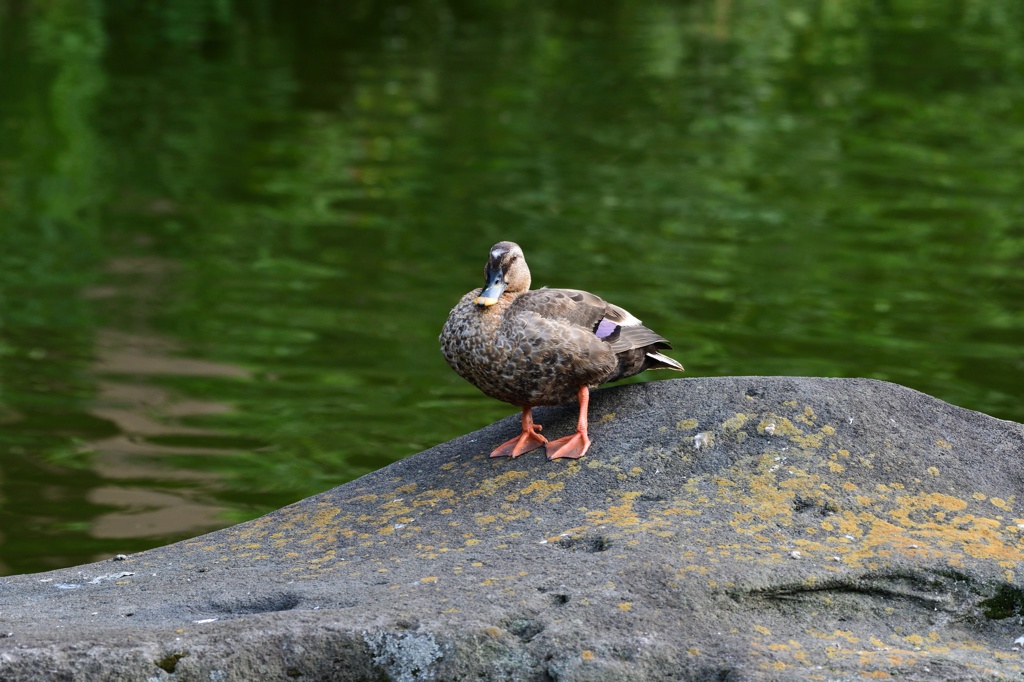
{"points": [[231, 234], [146, 416], [149, 514]]}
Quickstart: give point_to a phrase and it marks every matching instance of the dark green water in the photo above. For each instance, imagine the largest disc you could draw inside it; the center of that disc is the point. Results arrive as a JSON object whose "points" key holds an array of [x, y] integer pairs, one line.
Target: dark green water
{"points": [[230, 232]]}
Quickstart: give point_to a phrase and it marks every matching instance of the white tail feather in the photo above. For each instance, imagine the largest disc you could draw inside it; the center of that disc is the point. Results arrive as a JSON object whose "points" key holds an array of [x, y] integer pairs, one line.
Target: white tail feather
{"points": [[666, 360]]}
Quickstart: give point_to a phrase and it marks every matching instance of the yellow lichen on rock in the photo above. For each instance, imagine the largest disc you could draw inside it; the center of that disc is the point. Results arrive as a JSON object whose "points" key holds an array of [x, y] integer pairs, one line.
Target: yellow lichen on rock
{"points": [[489, 486], [735, 422], [542, 490], [774, 425], [807, 417], [621, 515]]}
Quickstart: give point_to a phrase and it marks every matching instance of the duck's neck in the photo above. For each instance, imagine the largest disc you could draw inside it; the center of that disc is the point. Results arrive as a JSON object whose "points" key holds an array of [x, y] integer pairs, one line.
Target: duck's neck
{"points": [[493, 314]]}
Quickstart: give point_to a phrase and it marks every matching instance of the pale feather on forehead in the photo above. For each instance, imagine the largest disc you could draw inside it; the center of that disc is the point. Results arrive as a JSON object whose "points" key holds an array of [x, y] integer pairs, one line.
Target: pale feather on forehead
{"points": [[502, 249]]}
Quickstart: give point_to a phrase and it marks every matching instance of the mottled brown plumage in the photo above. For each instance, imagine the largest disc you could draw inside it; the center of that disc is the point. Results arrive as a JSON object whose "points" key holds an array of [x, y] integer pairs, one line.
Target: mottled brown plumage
{"points": [[543, 347]]}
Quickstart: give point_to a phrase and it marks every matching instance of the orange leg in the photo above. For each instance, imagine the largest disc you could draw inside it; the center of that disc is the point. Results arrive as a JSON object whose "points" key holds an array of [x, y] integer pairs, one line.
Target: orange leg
{"points": [[529, 439], [576, 445]]}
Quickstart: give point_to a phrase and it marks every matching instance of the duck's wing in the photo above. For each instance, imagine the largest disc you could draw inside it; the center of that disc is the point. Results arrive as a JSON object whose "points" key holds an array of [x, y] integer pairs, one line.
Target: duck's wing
{"points": [[610, 323]]}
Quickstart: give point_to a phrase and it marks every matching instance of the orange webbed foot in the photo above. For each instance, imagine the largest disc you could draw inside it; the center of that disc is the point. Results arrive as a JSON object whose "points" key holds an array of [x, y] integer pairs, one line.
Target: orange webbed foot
{"points": [[576, 445], [529, 439], [521, 444], [570, 447]]}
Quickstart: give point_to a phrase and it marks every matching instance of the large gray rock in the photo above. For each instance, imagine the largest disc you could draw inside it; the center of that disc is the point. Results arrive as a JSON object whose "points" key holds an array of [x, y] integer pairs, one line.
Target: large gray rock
{"points": [[720, 528]]}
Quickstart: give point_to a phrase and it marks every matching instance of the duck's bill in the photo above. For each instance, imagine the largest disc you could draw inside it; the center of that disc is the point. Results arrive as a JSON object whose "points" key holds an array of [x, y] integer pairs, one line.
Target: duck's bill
{"points": [[492, 292]]}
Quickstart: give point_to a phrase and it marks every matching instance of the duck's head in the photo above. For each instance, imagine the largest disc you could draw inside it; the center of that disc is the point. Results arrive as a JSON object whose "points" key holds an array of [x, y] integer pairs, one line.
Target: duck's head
{"points": [[506, 271]]}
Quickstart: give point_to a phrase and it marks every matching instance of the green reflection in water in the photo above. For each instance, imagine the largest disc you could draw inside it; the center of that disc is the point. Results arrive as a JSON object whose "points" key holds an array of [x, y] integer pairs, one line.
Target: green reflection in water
{"points": [[231, 234]]}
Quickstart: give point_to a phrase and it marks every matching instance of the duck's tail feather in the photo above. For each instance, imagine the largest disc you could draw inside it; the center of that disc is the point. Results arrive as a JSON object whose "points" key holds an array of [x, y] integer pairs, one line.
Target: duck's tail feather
{"points": [[660, 361]]}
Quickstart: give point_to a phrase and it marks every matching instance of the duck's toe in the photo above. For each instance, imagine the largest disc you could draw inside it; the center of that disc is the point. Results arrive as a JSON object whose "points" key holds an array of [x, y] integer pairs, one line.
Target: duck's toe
{"points": [[570, 447], [523, 443]]}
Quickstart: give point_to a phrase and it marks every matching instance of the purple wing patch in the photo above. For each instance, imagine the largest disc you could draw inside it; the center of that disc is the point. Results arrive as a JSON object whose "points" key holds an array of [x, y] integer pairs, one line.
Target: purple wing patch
{"points": [[605, 328]]}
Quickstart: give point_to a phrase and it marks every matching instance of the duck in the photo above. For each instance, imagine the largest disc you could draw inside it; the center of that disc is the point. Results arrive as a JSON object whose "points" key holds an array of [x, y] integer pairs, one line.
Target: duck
{"points": [[531, 347]]}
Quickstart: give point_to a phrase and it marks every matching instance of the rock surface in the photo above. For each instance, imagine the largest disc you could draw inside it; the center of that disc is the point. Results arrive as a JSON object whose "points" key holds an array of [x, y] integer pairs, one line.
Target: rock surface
{"points": [[719, 528]]}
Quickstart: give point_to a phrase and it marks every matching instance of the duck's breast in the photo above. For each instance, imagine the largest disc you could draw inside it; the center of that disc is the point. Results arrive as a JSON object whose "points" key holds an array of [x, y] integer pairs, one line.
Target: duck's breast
{"points": [[520, 356]]}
